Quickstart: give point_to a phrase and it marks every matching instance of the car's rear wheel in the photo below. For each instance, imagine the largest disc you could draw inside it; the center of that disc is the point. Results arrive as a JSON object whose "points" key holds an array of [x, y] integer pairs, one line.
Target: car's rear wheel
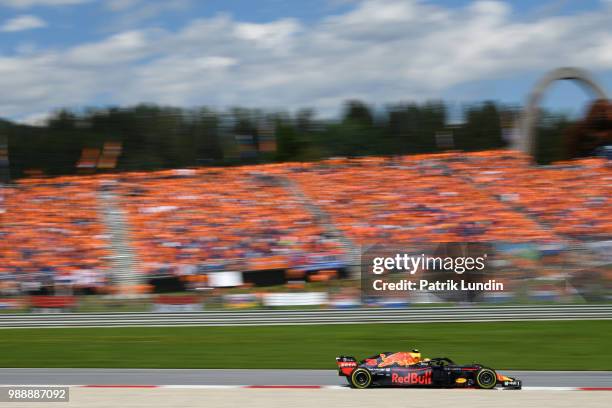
{"points": [[361, 378], [486, 378]]}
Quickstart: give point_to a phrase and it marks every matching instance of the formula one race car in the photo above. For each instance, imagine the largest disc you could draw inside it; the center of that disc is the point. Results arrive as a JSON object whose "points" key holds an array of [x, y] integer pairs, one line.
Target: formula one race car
{"points": [[408, 369]]}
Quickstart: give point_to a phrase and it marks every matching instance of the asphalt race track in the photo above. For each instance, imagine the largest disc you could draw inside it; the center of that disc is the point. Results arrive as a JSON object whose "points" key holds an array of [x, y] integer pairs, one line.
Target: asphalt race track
{"points": [[84, 376], [220, 389]]}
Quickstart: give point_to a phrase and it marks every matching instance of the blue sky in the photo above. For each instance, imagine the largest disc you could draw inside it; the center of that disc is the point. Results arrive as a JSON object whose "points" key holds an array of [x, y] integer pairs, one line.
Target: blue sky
{"points": [[289, 54]]}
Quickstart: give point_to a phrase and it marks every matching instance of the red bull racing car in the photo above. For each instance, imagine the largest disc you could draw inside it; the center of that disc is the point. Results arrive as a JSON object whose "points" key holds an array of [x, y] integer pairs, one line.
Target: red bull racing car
{"points": [[408, 369]]}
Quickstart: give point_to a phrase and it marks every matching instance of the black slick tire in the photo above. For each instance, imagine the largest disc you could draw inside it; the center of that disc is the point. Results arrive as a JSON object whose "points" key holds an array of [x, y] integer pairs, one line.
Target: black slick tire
{"points": [[361, 378], [486, 378]]}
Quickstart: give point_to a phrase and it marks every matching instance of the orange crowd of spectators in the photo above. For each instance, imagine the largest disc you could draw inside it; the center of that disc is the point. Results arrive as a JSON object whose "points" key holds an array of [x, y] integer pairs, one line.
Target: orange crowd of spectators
{"points": [[412, 199], [52, 232], [247, 218], [573, 197], [232, 219]]}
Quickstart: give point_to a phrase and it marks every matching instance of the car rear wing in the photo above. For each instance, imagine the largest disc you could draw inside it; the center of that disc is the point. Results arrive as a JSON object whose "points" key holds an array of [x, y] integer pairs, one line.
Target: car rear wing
{"points": [[346, 364]]}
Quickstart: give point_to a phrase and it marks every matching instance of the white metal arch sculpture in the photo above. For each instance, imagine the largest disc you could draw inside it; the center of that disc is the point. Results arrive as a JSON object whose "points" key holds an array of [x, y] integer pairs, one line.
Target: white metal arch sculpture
{"points": [[526, 140]]}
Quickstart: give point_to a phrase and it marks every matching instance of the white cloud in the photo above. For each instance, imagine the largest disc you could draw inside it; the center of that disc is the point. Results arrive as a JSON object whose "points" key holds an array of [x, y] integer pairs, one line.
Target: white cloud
{"points": [[32, 3], [21, 23], [380, 50], [272, 35], [115, 50], [131, 13]]}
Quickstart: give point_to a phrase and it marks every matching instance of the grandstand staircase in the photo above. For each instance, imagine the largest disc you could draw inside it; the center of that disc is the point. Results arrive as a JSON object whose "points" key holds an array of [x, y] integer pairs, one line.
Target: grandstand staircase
{"points": [[123, 260], [353, 251]]}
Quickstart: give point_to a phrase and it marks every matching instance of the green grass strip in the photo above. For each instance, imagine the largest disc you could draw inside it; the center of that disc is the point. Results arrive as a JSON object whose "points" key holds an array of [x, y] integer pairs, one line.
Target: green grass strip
{"points": [[568, 345]]}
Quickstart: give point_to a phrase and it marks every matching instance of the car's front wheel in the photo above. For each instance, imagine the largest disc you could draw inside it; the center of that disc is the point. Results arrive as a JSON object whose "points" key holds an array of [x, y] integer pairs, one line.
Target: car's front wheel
{"points": [[361, 378], [486, 378]]}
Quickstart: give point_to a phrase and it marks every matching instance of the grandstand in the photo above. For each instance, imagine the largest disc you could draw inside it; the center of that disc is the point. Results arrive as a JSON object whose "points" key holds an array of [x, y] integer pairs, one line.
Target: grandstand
{"points": [[413, 199], [187, 221], [293, 218], [52, 235]]}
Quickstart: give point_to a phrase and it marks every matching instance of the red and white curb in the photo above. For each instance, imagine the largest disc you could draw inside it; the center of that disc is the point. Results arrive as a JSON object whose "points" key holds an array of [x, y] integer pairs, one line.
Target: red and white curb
{"points": [[268, 387]]}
